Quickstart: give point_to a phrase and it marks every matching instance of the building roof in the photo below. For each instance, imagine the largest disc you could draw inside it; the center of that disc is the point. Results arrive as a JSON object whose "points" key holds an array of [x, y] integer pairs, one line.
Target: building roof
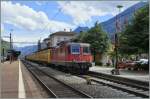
{"points": [[46, 39], [63, 33]]}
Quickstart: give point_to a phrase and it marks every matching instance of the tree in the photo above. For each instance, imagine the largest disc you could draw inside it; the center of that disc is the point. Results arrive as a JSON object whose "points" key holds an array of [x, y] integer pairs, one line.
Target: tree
{"points": [[135, 37], [98, 40], [79, 37]]}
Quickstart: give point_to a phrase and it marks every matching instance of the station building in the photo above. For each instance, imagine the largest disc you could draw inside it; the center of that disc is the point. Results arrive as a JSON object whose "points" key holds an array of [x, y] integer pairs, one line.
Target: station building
{"points": [[57, 37]]}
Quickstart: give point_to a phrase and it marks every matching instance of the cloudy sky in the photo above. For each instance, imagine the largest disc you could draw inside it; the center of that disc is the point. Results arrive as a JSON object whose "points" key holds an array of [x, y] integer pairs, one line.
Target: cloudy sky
{"points": [[32, 20]]}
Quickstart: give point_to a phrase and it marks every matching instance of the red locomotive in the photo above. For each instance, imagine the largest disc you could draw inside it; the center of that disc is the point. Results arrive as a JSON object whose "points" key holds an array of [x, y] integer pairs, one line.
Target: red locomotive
{"points": [[75, 57]]}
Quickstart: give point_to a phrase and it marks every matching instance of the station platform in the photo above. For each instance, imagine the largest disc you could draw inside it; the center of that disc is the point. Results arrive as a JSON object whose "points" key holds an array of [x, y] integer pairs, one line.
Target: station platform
{"points": [[17, 82], [135, 75]]}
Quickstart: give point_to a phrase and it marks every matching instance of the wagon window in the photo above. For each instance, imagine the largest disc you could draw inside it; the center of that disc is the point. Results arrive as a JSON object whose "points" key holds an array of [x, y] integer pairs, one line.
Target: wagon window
{"points": [[75, 49], [86, 50]]}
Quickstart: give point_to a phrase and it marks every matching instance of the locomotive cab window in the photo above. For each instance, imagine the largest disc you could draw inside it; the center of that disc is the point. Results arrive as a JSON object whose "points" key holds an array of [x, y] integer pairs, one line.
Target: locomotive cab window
{"points": [[75, 49], [86, 50]]}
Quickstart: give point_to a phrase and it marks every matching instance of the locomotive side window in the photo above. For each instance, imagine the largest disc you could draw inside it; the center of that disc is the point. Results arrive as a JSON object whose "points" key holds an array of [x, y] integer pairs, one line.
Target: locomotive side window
{"points": [[86, 50], [75, 49]]}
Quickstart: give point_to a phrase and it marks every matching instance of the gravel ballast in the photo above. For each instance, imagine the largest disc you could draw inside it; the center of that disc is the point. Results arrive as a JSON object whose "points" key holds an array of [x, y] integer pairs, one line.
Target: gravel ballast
{"points": [[95, 90]]}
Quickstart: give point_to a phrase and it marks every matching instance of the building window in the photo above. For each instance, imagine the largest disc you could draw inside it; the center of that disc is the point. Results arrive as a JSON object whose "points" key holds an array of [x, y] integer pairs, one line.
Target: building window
{"points": [[58, 39]]}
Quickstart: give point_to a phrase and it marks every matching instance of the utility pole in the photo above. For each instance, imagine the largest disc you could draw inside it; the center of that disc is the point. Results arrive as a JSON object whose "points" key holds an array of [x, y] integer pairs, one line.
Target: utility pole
{"points": [[10, 40], [10, 45], [116, 70], [11, 52], [39, 44], [3, 53]]}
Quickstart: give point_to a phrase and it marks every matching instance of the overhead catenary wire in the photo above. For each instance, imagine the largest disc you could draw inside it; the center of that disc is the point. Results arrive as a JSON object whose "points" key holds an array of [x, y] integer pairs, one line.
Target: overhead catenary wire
{"points": [[60, 9], [44, 28], [26, 42], [122, 15], [55, 15]]}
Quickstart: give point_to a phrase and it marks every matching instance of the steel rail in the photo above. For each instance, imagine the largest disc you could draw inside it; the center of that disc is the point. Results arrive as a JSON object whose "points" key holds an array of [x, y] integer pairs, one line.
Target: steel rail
{"points": [[119, 81], [70, 87], [117, 87], [74, 89], [123, 89], [45, 87]]}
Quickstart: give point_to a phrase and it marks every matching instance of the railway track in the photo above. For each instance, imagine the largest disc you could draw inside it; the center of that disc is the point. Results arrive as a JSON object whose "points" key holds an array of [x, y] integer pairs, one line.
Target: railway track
{"points": [[138, 90], [55, 87]]}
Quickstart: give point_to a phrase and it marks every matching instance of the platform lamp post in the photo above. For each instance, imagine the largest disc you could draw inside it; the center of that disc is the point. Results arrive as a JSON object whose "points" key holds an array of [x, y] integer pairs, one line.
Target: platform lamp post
{"points": [[116, 70]]}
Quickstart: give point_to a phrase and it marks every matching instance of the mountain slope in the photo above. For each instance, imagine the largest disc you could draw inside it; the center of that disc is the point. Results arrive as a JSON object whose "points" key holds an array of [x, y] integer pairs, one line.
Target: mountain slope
{"points": [[79, 29], [27, 49], [126, 16]]}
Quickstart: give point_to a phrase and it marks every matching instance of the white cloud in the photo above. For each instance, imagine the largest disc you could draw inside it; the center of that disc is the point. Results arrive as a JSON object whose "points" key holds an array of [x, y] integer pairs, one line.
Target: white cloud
{"points": [[27, 18], [82, 11]]}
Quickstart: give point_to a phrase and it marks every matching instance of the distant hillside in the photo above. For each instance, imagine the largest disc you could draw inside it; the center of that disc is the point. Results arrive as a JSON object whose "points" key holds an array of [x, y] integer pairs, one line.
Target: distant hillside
{"points": [[126, 16], [5, 45], [27, 49], [79, 29]]}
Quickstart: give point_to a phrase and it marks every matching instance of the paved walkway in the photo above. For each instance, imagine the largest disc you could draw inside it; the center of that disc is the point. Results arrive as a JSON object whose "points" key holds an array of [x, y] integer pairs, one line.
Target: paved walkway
{"points": [[9, 80], [16, 81], [137, 75]]}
